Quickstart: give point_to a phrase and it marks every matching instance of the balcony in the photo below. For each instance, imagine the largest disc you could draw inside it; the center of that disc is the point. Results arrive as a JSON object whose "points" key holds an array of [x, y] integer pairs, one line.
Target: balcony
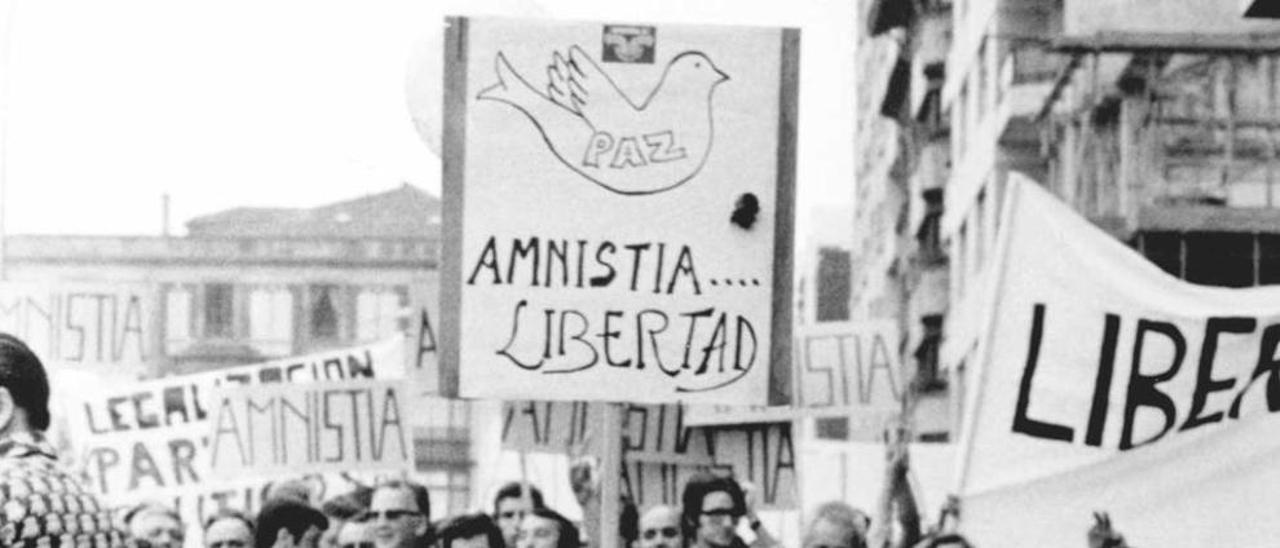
{"points": [[1194, 130]]}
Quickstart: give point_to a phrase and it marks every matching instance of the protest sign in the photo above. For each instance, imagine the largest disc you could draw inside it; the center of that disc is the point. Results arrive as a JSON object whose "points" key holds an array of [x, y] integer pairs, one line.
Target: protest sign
{"points": [[845, 369], [83, 323], [318, 427], [550, 427], [150, 440], [762, 454], [660, 450], [1104, 384], [634, 246]]}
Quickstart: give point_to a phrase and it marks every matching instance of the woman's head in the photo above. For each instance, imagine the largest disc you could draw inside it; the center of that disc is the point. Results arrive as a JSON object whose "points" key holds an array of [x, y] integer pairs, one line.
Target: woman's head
{"points": [[711, 508]]}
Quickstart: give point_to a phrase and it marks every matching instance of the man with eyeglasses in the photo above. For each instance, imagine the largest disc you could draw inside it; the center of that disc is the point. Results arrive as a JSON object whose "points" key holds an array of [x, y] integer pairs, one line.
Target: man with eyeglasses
{"points": [[660, 528], [400, 515]]}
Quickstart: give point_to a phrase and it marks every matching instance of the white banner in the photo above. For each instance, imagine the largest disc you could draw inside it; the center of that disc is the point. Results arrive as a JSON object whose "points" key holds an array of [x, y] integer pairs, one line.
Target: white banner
{"points": [[1104, 384], [150, 440], [621, 198]]}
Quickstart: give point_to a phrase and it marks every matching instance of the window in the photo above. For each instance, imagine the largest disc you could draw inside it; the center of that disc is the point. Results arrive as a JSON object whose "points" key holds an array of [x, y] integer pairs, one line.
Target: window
{"points": [[928, 375], [379, 311], [929, 236], [324, 312], [219, 310], [961, 129], [1220, 259], [983, 74], [271, 320], [177, 325], [1268, 259], [833, 284], [832, 428], [980, 236]]}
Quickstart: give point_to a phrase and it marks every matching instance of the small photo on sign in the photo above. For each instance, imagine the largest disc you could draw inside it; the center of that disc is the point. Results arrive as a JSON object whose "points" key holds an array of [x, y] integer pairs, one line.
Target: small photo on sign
{"points": [[628, 44]]}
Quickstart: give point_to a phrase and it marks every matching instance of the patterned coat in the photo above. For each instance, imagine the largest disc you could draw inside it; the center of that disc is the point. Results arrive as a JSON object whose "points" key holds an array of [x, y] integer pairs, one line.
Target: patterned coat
{"points": [[44, 506]]}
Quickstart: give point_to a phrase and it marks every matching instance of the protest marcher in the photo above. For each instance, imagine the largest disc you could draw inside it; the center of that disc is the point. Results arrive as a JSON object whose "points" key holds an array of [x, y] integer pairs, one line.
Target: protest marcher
{"points": [[511, 505], [836, 525], [660, 528], [545, 528], [29, 473], [289, 523], [711, 509], [341, 510], [228, 528], [470, 531], [154, 525], [400, 515], [901, 525]]}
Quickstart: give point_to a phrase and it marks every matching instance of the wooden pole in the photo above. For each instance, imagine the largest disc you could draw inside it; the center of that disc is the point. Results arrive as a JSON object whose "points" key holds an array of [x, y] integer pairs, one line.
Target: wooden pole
{"points": [[610, 476]]}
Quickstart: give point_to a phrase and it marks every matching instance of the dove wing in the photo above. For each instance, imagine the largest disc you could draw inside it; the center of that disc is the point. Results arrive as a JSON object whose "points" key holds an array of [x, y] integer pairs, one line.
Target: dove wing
{"points": [[578, 84]]}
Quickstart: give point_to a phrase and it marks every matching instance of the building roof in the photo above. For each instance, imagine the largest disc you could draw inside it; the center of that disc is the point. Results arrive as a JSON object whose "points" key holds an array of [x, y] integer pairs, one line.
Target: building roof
{"points": [[403, 212]]}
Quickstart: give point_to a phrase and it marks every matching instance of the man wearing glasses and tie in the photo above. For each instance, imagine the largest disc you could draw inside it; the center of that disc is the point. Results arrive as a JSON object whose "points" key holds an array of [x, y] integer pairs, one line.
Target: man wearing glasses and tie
{"points": [[660, 528], [400, 515]]}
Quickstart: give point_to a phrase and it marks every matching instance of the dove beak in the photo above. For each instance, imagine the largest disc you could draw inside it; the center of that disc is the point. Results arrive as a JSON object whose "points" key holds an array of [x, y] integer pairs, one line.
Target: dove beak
{"points": [[723, 76]]}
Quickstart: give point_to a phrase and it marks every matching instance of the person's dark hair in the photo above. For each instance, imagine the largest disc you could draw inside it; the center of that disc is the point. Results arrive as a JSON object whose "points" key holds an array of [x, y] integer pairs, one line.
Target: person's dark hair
{"points": [[697, 488], [515, 490], [569, 536], [420, 495], [467, 526], [349, 505], [22, 373], [228, 513], [289, 514], [629, 522]]}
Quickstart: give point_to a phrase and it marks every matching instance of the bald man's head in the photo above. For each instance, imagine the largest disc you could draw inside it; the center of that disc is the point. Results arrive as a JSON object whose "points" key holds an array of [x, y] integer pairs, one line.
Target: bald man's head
{"points": [[660, 528]]}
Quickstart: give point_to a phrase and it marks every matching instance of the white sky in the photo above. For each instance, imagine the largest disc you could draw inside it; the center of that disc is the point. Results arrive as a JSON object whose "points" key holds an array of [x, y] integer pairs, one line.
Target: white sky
{"points": [[298, 103]]}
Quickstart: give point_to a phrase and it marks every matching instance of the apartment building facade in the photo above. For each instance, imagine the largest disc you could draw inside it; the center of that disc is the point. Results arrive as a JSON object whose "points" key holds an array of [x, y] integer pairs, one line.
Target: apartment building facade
{"points": [[1156, 120]]}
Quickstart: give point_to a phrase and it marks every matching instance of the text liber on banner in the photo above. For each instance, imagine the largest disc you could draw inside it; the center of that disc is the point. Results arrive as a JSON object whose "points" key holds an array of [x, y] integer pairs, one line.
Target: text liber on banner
{"points": [[1122, 390]]}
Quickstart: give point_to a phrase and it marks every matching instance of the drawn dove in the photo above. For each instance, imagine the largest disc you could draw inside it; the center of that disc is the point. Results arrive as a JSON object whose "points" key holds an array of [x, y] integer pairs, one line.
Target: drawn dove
{"points": [[599, 132]]}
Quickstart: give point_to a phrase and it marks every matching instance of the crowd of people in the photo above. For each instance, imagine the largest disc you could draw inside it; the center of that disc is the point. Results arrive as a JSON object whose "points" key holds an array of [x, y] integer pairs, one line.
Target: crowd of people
{"points": [[44, 506]]}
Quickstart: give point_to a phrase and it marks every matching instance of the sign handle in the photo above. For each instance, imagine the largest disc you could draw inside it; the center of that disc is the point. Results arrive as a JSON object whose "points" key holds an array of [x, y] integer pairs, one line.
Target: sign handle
{"points": [[610, 476]]}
